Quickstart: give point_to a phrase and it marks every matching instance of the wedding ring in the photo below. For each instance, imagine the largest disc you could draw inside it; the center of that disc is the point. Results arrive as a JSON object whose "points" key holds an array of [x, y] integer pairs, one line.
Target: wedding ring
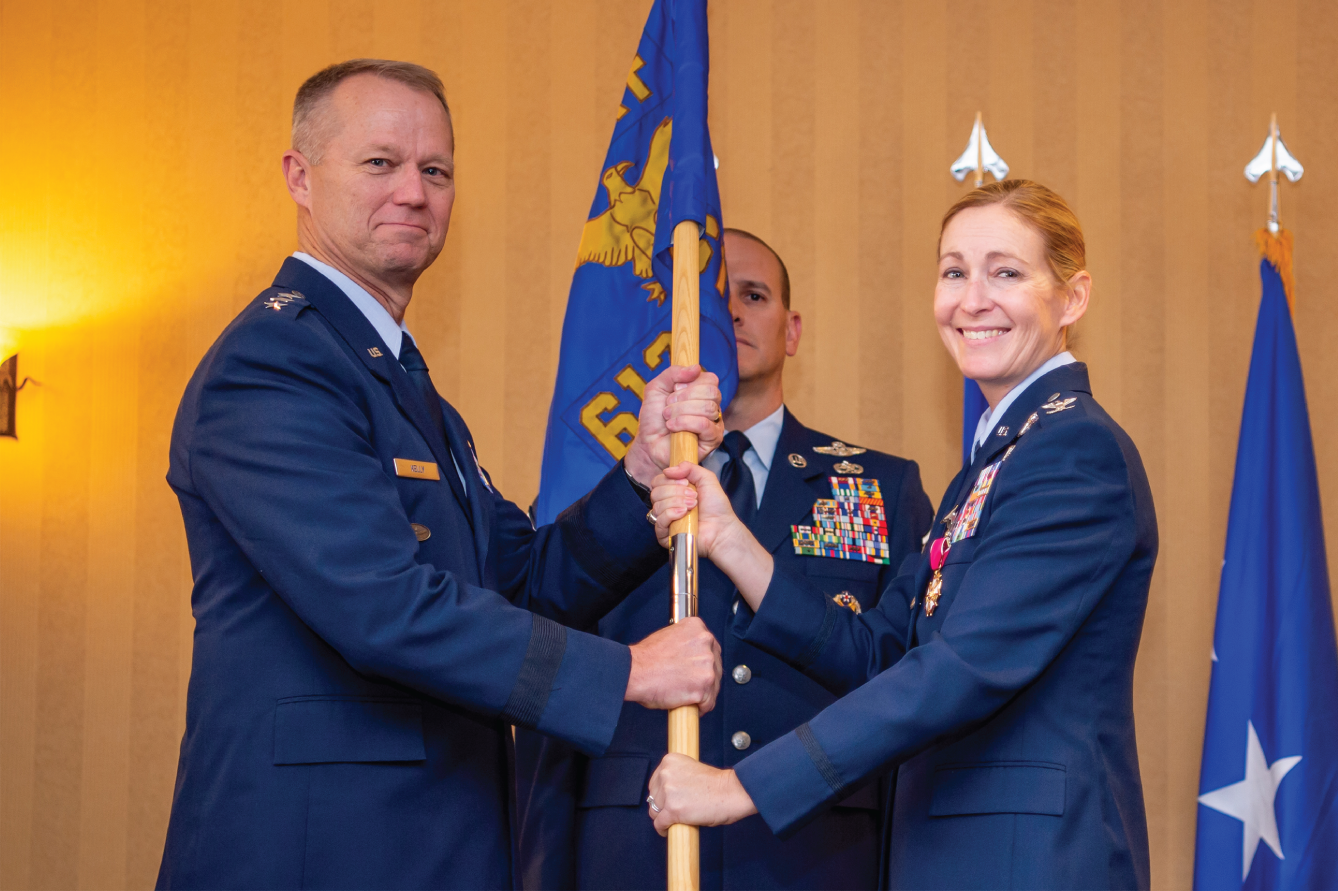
{"points": [[650, 800], [718, 416], [650, 515]]}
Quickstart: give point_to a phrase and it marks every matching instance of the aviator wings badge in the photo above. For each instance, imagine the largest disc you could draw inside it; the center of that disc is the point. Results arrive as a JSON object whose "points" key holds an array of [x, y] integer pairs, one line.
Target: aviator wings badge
{"points": [[839, 449]]}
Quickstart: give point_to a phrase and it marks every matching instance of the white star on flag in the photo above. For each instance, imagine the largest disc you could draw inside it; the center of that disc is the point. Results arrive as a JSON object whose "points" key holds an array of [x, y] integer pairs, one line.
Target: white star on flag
{"points": [[1251, 800]]}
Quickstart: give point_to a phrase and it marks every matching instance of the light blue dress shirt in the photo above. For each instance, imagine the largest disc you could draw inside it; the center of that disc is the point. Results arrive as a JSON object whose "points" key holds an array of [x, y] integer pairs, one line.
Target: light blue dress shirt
{"points": [[378, 315], [762, 439], [987, 419], [381, 319]]}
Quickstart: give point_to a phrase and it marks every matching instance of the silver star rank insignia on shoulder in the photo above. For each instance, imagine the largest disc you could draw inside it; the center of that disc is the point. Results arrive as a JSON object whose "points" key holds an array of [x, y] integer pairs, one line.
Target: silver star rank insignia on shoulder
{"points": [[839, 449], [279, 301], [1056, 406]]}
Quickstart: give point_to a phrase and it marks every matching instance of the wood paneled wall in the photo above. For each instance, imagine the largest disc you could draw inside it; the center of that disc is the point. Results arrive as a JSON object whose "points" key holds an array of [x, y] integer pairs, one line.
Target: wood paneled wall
{"points": [[141, 206]]}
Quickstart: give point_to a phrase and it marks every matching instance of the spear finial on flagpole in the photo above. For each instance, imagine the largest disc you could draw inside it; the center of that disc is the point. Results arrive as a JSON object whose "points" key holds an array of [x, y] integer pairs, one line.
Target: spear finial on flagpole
{"points": [[980, 157], [1275, 243], [1273, 157]]}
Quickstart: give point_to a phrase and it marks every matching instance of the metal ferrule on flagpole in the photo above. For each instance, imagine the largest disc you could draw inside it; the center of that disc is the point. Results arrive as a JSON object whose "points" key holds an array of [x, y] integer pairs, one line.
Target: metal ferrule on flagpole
{"points": [[683, 556]]}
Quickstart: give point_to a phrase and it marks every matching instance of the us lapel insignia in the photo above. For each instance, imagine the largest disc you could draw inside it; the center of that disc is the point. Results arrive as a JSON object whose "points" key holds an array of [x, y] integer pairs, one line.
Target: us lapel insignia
{"points": [[839, 449], [849, 526], [375, 352], [798, 460], [845, 468], [1055, 406], [846, 599]]}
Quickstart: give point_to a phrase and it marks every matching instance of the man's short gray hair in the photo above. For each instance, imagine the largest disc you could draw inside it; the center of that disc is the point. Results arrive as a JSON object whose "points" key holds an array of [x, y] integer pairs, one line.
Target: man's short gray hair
{"points": [[309, 137]]}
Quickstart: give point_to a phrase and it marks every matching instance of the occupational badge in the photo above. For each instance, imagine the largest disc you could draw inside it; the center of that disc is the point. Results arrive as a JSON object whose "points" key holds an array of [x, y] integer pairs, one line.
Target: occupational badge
{"points": [[839, 449], [845, 468], [798, 460], [846, 599], [1055, 406], [851, 525]]}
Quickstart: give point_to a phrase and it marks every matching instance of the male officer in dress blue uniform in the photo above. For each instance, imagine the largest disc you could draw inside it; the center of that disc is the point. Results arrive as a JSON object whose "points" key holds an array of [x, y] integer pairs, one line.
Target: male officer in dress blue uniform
{"points": [[371, 614], [583, 821]]}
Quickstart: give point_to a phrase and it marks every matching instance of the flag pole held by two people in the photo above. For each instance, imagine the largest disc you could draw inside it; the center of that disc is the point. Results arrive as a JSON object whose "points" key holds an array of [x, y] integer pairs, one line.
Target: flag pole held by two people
{"points": [[684, 842]]}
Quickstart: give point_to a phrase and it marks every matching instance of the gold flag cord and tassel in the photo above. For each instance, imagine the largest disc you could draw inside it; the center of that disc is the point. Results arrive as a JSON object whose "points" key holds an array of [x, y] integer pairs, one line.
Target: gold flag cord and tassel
{"points": [[1277, 249]]}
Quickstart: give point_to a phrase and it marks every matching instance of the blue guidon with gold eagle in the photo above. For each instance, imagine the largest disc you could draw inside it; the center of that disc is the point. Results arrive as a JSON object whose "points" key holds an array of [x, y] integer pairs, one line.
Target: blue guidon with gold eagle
{"points": [[659, 171]]}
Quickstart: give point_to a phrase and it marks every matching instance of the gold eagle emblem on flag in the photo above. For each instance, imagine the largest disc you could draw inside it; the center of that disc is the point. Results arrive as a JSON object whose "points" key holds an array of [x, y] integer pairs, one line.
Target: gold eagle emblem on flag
{"points": [[625, 233]]}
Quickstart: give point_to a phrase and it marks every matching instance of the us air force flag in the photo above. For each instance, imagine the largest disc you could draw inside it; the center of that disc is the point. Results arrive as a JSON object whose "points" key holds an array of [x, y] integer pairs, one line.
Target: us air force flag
{"points": [[1268, 803], [658, 172]]}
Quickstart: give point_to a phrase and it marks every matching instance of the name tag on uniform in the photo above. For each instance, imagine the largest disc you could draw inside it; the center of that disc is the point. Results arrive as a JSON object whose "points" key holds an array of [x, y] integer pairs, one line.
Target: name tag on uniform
{"points": [[419, 470]]}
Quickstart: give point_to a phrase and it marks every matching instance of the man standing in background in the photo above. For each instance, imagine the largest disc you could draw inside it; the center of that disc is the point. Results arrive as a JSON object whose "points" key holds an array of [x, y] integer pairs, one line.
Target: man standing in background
{"points": [[371, 614], [583, 819]]}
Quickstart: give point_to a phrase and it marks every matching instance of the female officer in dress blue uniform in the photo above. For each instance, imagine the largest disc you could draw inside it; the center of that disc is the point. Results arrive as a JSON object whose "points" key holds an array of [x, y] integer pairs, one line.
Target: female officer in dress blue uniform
{"points": [[1005, 702]]}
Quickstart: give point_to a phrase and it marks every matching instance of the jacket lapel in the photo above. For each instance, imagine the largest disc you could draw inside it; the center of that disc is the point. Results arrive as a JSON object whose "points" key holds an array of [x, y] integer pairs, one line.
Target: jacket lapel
{"points": [[349, 322], [1066, 378], [480, 504], [788, 497]]}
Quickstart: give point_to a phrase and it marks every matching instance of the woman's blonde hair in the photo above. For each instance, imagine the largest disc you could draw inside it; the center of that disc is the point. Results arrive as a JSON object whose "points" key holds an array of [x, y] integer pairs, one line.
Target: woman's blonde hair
{"points": [[1044, 210]]}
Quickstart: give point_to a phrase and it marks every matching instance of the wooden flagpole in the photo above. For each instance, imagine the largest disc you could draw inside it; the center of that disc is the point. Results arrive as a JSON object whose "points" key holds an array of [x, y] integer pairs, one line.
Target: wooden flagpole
{"points": [[684, 842]]}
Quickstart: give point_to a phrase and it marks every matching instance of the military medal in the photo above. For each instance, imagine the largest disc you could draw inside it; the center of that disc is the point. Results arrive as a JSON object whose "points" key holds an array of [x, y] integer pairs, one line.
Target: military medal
{"points": [[956, 528], [938, 552]]}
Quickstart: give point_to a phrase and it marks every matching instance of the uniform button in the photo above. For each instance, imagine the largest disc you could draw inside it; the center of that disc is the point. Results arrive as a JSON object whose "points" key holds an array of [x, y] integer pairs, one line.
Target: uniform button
{"points": [[742, 674], [741, 740]]}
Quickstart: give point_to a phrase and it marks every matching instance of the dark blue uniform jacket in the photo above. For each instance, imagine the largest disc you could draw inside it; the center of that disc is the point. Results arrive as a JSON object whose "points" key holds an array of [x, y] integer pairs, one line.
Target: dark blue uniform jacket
{"points": [[1009, 711], [583, 820], [352, 686]]}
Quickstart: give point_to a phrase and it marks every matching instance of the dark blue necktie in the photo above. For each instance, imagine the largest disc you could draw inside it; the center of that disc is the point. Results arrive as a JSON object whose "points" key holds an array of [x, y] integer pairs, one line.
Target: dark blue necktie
{"points": [[736, 479], [411, 358]]}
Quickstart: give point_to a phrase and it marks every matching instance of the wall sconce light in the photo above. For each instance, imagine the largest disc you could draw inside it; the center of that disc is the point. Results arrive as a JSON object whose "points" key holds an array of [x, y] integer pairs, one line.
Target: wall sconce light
{"points": [[9, 391]]}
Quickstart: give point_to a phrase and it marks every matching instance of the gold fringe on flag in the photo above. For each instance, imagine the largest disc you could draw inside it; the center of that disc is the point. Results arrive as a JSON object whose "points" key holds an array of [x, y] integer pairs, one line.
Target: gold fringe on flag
{"points": [[1277, 249]]}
